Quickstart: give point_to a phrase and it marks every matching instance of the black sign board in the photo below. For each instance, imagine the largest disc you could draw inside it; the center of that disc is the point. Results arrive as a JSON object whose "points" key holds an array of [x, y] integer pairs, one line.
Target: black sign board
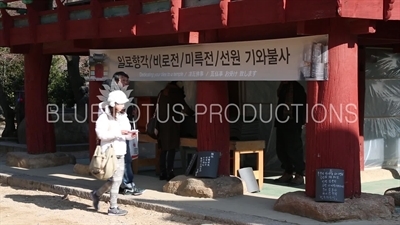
{"points": [[190, 168], [207, 164], [329, 185]]}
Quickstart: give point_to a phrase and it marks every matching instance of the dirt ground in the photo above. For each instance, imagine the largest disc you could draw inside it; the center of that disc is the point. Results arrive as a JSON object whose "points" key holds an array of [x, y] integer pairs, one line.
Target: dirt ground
{"points": [[21, 206], [26, 207]]}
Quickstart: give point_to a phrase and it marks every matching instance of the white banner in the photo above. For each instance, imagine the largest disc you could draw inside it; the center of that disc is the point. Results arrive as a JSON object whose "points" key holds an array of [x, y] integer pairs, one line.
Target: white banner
{"points": [[278, 59]]}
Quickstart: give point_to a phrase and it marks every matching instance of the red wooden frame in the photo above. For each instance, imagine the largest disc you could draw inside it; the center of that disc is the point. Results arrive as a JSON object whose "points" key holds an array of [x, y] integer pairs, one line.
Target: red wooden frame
{"points": [[228, 17]]}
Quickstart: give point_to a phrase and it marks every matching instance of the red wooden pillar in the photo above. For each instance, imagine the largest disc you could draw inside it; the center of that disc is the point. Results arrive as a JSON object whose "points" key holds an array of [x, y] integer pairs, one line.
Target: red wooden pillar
{"points": [[333, 136], [40, 137], [212, 125]]}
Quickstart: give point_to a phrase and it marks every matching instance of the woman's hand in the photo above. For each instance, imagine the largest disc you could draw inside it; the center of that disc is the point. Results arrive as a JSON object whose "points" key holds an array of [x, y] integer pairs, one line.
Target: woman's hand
{"points": [[133, 133], [124, 132]]}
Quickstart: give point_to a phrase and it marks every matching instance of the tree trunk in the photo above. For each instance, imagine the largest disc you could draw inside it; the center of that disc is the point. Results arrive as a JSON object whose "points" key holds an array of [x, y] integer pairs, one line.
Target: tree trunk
{"points": [[40, 137], [77, 82], [75, 78], [9, 114], [333, 136], [94, 90], [212, 126]]}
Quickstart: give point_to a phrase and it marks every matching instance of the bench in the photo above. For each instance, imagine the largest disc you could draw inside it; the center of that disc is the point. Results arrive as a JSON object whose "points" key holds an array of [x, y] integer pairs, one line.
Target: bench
{"points": [[237, 147]]}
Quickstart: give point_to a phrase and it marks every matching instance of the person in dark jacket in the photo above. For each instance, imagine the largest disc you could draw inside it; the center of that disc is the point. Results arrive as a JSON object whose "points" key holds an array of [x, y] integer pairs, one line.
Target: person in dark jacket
{"points": [[128, 186], [171, 109], [291, 114]]}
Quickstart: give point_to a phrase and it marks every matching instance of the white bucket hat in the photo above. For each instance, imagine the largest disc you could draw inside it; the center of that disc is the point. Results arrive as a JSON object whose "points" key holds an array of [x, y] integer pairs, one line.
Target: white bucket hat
{"points": [[118, 97]]}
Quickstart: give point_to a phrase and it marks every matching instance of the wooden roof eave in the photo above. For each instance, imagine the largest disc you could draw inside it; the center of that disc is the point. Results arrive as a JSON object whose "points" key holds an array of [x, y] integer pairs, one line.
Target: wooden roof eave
{"points": [[387, 32], [227, 14], [370, 9]]}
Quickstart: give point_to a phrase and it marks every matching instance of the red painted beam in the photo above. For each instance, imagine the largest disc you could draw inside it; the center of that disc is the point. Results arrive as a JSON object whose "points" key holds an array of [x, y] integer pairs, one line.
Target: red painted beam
{"points": [[260, 32], [131, 42], [395, 12], [389, 30], [387, 9], [200, 18], [375, 42], [255, 12], [300, 10], [33, 18], [367, 9], [62, 14], [64, 48], [362, 26], [175, 6], [7, 25], [135, 8], [223, 4], [189, 38], [49, 33], [154, 24], [20, 36], [2, 41], [313, 27], [80, 29], [116, 27], [20, 49], [88, 44], [118, 3], [97, 13]]}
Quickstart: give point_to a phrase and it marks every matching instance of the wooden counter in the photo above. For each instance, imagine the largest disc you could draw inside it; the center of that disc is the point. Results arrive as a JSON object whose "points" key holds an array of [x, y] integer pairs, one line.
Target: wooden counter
{"points": [[238, 148]]}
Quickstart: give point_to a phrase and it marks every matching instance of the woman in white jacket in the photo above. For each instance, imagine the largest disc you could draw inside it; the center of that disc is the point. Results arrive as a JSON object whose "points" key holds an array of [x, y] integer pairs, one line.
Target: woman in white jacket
{"points": [[113, 128]]}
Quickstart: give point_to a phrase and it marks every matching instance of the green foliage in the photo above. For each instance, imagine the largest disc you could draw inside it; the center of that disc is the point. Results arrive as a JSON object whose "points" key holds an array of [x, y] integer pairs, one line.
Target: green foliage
{"points": [[59, 89], [11, 73], [12, 78]]}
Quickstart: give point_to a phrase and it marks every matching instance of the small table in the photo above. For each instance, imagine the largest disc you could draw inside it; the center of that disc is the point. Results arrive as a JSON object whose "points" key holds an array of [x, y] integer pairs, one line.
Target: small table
{"points": [[238, 147]]}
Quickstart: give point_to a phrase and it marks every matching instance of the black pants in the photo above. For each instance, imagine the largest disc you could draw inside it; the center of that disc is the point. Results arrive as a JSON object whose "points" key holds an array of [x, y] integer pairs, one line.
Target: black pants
{"points": [[289, 149], [167, 159]]}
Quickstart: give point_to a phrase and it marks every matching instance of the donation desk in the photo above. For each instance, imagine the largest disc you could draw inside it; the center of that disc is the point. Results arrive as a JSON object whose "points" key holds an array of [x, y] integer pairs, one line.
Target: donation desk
{"points": [[237, 147]]}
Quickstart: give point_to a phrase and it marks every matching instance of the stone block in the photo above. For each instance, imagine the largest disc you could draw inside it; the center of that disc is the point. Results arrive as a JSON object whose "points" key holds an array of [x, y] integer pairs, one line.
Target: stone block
{"points": [[220, 187], [25, 160], [82, 169], [367, 207]]}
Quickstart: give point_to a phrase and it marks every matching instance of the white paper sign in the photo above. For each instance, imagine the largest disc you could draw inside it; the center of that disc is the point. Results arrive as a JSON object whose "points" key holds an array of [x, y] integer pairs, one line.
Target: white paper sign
{"points": [[276, 59]]}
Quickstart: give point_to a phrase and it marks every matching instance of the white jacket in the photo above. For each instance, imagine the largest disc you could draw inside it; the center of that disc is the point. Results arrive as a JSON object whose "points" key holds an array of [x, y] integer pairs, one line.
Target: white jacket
{"points": [[108, 130]]}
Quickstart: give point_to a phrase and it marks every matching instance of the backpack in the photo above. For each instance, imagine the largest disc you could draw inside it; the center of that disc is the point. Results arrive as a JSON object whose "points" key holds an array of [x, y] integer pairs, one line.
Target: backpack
{"points": [[103, 164]]}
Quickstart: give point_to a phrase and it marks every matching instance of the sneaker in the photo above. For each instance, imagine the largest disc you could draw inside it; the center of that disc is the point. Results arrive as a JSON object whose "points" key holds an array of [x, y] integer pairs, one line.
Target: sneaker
{"points": [[117, 212], [297, 180], [134, 191], [95, 199], [285, 178]]}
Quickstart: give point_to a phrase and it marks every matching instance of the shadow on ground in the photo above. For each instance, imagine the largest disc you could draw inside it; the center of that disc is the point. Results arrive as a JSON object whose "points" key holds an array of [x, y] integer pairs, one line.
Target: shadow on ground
{"points": [[49, 202]]}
